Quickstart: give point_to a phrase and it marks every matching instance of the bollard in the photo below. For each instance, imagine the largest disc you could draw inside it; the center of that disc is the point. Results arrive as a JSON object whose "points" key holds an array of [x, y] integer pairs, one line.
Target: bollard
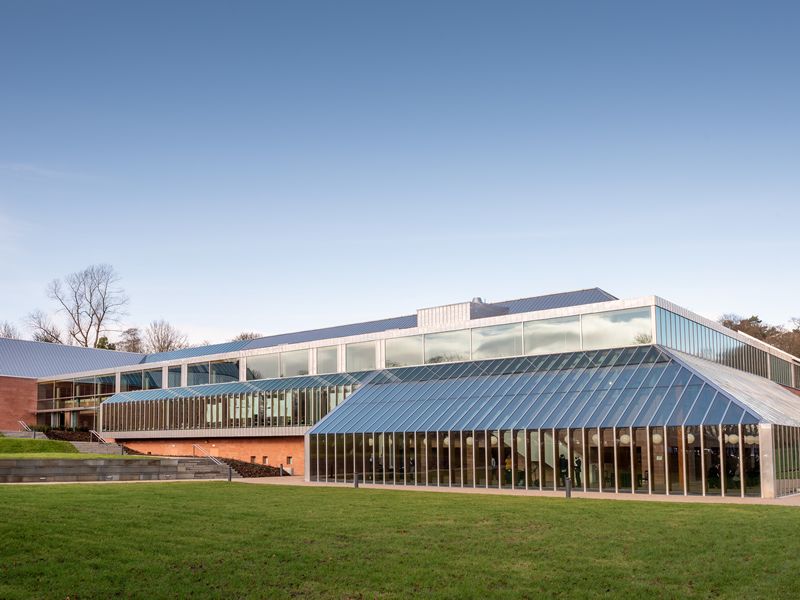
{"points": [[355, 480], [230, 472], [568, 486], [281, 469]]}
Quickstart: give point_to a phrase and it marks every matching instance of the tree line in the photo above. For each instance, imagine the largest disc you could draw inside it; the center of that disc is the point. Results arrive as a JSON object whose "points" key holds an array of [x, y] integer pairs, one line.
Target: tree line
{"points": [[92, 305]]}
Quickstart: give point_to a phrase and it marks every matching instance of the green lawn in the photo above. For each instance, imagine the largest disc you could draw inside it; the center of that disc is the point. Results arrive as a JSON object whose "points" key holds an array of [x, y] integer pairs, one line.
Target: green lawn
{"points": [[23, 446], [234, 540]]}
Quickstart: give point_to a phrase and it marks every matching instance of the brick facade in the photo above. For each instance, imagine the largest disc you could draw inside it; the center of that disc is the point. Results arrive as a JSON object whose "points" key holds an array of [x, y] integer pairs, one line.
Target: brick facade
{"points": [[17, 402], [276, 449]]}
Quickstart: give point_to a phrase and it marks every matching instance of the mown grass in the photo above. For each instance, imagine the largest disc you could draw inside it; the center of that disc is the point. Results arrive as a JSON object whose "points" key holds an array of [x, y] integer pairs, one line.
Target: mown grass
{"points": [[234, 540], [27, 446]]}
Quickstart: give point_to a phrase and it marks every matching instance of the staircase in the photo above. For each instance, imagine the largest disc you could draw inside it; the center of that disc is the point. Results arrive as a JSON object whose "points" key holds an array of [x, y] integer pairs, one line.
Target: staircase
{"points": [[97, 448], [24, 435], [202, 468]]}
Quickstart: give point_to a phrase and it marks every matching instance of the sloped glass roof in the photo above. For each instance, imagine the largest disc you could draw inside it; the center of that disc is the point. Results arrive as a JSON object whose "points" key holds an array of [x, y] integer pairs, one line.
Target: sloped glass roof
{"points": [[624, 387]]}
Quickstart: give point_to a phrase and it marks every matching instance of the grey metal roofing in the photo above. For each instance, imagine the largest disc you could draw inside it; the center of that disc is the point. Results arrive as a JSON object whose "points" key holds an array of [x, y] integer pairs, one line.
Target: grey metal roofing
{"points": [[624, 387], [560, 300], [242, 387], [23, 358]]}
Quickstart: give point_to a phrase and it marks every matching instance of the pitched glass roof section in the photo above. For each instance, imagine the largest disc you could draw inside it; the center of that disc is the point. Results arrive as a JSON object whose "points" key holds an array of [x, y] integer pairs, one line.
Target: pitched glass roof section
{"points": [[23, 358], [623, 387], [242, 387]]}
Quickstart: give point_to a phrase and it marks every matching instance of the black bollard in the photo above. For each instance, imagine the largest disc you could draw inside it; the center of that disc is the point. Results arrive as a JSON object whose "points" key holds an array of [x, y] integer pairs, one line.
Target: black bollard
{"points": [[281, 469], [230, 472], [568, 486], [355, 480]]}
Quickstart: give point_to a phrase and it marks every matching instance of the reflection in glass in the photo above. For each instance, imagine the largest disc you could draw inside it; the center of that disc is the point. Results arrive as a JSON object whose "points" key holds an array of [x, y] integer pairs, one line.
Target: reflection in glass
{"points": [[152, 379], [404, 351], [130, 382], [552, 335], [641, 469], [174, 376], [448, 346], [593, 469], [263, 366], [712, 460], [694, 469], [468, 450], [657, 460], [479, 442], [617, 328], [197, 374], [327, 359], [752, 466], [497, 341], [224, 371], [294, 363], [731, 477], [360, 356]]}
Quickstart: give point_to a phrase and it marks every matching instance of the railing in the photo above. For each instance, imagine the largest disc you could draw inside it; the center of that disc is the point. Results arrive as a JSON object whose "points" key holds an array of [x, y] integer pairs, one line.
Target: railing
{"points": [[205, 453], [93, 434], [24, 426]]}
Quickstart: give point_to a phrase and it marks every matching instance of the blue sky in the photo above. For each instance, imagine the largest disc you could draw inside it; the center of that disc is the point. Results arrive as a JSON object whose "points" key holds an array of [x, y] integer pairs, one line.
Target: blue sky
{"points": [[279, 166]]}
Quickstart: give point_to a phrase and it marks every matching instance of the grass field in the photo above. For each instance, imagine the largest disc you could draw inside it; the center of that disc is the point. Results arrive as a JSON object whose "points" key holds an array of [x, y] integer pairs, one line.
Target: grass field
{"points": [[234, 540], [25, 446]]}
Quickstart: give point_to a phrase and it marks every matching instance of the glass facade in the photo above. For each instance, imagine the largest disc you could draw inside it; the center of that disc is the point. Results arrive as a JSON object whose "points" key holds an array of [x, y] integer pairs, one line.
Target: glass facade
{"points": [[617, 328], [288, 406], [404, 351], [553, 335], [328, 359], [685, 335], [448, 346], [264, 366], [294, 363], [360, 356], [72, 402], [174, 376], [497, 341]]}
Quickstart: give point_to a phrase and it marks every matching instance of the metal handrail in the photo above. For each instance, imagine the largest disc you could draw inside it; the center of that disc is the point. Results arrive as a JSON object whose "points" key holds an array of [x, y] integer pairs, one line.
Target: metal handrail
{"points": [[206, 454], [100, 438], [24, 426]]}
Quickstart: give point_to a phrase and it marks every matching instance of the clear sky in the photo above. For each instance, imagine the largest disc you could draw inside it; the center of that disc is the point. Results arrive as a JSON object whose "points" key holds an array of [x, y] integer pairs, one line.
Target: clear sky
{"points": [[275, 166]]}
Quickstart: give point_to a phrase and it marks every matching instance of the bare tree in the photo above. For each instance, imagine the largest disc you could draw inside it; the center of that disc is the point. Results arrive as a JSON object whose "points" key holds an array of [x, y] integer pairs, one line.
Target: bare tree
{"points": [[130, 341], [160, 336], [92, 301], [9, 330], [247, 335], [44, 330]]}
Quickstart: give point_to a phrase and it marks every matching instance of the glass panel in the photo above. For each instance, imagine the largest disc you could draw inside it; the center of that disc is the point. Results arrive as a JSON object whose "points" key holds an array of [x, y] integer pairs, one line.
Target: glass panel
{"points": [[468, 458], [607, 473], [448, 346], [404, 351], [128, 382], [432, 458], [657, 460], [593, 467], [454, 441], [360, 357], [84, 387], [263, 366], [752, 466], [533, 459], [197, 374], [577, 458], [506, 460], [563, 457], [552, 335], [519, 459], [328, 359], [174, 376], [548, 460], [732, 477], [624, 471], [419, 459], [294, 363], [224, 371], [494, 459], [497, 341], [712, 460], [479, 440], [444, 458], [694, 469], [641, 467], [617, 328], [153, 379]]}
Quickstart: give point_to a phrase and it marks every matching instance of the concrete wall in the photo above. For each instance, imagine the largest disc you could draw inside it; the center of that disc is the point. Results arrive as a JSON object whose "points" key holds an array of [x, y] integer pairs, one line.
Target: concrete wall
{"points": [[17, 402], [277, 449]]}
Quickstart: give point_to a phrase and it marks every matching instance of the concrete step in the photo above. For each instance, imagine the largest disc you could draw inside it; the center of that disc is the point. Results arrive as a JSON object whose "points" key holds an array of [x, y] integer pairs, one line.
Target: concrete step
{"points": [[24, 435], [97, 448]]}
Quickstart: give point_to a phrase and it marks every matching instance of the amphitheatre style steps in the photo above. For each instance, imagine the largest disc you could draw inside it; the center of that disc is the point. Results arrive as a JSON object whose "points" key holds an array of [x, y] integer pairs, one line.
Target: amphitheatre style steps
{"points": [[110, 469], [97, 448]]}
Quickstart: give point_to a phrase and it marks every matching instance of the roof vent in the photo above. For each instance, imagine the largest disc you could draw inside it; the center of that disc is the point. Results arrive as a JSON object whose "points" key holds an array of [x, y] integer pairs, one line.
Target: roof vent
{"points": [[477, 300]]}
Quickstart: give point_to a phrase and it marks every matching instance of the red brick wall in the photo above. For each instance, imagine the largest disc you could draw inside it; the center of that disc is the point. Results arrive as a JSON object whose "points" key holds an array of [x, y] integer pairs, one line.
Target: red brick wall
{"points": [[276, 448], [17, 402]]}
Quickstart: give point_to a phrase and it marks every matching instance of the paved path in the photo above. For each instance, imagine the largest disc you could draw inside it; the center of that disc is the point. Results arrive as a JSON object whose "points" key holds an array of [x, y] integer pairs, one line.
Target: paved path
{"points": [[298, 480]]}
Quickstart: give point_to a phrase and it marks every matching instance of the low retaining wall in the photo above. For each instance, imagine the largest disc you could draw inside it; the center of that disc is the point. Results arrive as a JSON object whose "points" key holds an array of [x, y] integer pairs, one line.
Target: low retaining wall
{"points": [[107, 469]]}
